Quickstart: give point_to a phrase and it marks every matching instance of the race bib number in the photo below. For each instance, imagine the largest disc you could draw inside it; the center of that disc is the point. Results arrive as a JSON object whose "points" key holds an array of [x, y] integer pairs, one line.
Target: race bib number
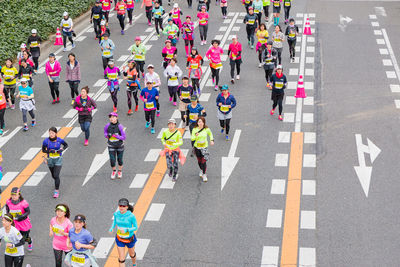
{"points": [[252, 21], [129, 2], [224, 108], [14, 213], [79, 259], [188, 30], [256, 11], [122, 233], [278, 40], [34, 44], [175, 16], [201, 143], [193, 116], [287, 3], [170, 56], [106, 53], [217, 65], [277, 4], [278, 85], [113, 139], [54, 155], [149, 105], [139, 57], [96, 16], [171, 33], [57, 230], [106, 4], [247, 2], [292, 35], [203, 21], [170, 143], [173, 78], [11, 250], [122, 8], [185, 94], [158, 13], [194, 66], [112, 76], [26, 76], [66, 25]]}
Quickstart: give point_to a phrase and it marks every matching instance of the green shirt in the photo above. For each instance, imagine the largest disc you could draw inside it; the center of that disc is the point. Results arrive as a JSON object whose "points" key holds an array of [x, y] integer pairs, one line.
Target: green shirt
{"points": [[266, 2], [171, 30], [139, 51], [174, 142], [201, 138]]}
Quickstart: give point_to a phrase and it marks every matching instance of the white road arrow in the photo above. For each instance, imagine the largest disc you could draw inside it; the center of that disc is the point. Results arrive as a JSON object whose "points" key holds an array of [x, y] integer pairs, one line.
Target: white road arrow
{"points": [[363, 171], [98, 162], [343, 21], [229, 163]]}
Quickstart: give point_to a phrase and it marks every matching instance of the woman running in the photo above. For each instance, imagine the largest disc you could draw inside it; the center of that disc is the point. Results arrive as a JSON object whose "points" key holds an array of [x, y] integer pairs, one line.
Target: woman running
{"points": [[130, 5], [19, 210], [169, 52], [258, 8], [139, 55], [121, 10], [175, 14], [84, 104], [269, 58], [132, 85], [276, 11], [224, 7], [9, 74], [60, 225], [26, 71], [185, 91], [262, 37], [292, 31], [193, 111], [82, 242], [104, 30], [172, 32], [287, 5], [172, 140], [126, 224], [14, 253], [149, 96], [106, 7], [52, 148], [278, 38], [53, 70], [225, 103], [193, 64], [157, 13], [279, 83], [27, 103], [214, 55], [251, 25], [66, 25], [115, 134], [34, 42], [172, 73], [111, 73], [152, 77], [199, 136], [3, 106], [266, 4], [73, 75], [95, 18], [107, 47], [149, 7], [188, 34], [203, 24], [235, 58]]}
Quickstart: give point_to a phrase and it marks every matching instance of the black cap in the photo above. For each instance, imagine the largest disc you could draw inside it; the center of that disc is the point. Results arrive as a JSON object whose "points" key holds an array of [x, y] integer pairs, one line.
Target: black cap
{"points": [[15, 190], [123, 202], [185, 77], [52, 55], [193, 98], [106, 35], [80, 218]]}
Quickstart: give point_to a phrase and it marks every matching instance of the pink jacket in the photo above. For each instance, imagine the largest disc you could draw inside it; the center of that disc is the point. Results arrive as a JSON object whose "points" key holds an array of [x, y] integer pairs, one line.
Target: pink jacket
{"points": [[53, 71], [234, 50], [214, 54], [106, 5], [203, 17]]}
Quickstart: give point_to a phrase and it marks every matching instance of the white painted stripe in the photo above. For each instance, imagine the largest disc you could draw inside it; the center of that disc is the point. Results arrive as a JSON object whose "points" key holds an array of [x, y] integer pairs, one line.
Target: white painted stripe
{"points": [[223, 28], [372, 16], [90, 30], [309, 138], [123, 57], [395, 88], [392, 56], [80, 38], [309, 101], [292, 85], [294, 71], [284, 137], [103, 247], [224, 57], [218, 37], [100, 82], [167, 183], [387, 62], [288, 117], [230, 14], [290, 100], [307, 257], [299, 22], [274, 218], [309, 187], [300, 15], [139, 180], [155, 212], [148, 47], [296, 60], [91, 95], [154, 38], [46, 133], [397, 103], [176, 114], [309, 72], [242, 14], [310, 49], [380, 11], [299, 107], [103, 97], [149, 30], [141, 247], [309, 60], [8, 177], [298, 39], [309, 161], [75, 132], [307, 219], [229, 21], [391, 75], [312, 22], [204, 97], [278, 186], [226, 47], [35, 179], [187, 135], [310, 39], [209, 82], [380, 41], [161, 133], [153, 154], [281, 160], [309, 85], [383, 51], [377, 32], [31, 153], [311, 15], [235, 29], [297, 48], [70, 114]]}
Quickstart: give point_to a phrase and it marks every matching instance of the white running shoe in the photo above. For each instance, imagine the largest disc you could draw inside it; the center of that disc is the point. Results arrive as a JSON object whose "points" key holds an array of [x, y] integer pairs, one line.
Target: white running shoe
{"points": [[201, 173], [113, 175], [260, 65], [205, 178], [237, 77]]}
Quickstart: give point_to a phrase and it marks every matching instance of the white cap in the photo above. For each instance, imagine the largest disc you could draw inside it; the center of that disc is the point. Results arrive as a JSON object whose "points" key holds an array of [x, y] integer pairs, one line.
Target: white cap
{"points": [[234, 37], [150, 66], [23, 45], [23, 80], [103, 22], [279, 67], [65, 14], [34, 31], [171, 121], [176, 5]]}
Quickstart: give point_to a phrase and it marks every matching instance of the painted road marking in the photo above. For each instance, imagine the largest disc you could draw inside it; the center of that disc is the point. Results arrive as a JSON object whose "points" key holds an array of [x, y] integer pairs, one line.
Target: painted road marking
{"points": [[308, 188], [380, 41], [392, 56], [187, 135], [309, 85], [154, 38], [98, 161], [383, 51], [309, 161], [90, 30], [380, 11], [139, 180], [149, 30], [70, 114], [310, 39], [284, 137], [7, 178], [141, 248], [372, 16], [80, 38], [235, 29], [167, 182], [309, 101], [309, 72], [296, 60], [5, 139], [395, 88], [242, 14], [309, 138], [297, 48], [103, 97], [288, 117], [103, 247], [30, 153], [161, 133], [153, 154], [176, 114], [294, 71], [231, 14], [223, 28], [292, 85], [278, 186], [377, 32], [307, 219], [387, 62], [309, 60], [76, 131], [228, 21], [123, 58], [307, 257], [100, 82], [397, 103], [290, 100], [281, 160], [204, 97], [274, 219], [270, 256], [209, 83], [391, 75], [310, 49], [155, 212], [308, 117], [311, 15], [35, 179], [300, 15]]}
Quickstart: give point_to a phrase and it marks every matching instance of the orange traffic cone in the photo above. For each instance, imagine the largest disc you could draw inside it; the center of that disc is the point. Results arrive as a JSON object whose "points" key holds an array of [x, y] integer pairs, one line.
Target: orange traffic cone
{"points": [[307, 28], [300, 93], [59, 40]]}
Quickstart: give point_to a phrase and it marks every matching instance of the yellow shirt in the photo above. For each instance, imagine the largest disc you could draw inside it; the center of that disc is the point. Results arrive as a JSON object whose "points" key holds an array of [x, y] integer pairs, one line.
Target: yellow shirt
{"points": [[262, 39], [9, 73]]}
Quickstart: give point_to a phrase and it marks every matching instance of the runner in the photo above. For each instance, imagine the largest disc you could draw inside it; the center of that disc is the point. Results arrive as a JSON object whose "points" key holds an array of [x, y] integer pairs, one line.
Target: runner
{"points": [[126, 224], [278, 38], [14, 253], [292, 31], [175, 14], [9, 74], [20, 53], [27, 56], [34, 42], [276, 11], [193, 64], [235, 58], [19, 209], [199, 136], [193, 111], [203, 24], [201, 4], [157, 12], [103, 30], [269, 58], [139, 55], [149, 96], [121, 10], [214, 55], [169, 52], [107, 47], [73, 75], [130, 5], [115, 134], [26, 71], [247, 4], [172, 73], [258, 8], [154, 78], [3, 106], [251, 25], [84, 104], [172, 140], [27, 103], [224, 7], [185, 91], [188, 34], [106, 7], [132, 85], [262, 37], [66, 25], [52, 148], [225, 103], [82, 242], [111, 73], [59, 231], [266, 4], [287, 5], [172, 32], [149, 7], [95, 18], [53, 69], [279, 83]]}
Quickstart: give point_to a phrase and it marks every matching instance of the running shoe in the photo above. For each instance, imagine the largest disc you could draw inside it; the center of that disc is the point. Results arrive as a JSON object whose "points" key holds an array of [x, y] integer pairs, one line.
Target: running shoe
{"points": [[1, 131], [249, 42], [222, 130], [205, 178], [147, 124], [280, 117], [86, 142], [113, 174], [174, 103], [115, 110], [272, 111], [237, 77], [56, 194], [201, 173], [142, 74], [158, 113], [122, 32], [174, 179], [153, 131], [227, 138], [12, 106], [130, 112], [65, 49], [58, 100], [26, 128], [54, 101], [260, 65], [30, 246], [33, 123], [213, 80], [149, 23], [232, 81], [72, 102], [216, 88], [252, 47], [130, 22], [170, 99], [136, 108], [73, 45], [170, 172], [119, 174]]}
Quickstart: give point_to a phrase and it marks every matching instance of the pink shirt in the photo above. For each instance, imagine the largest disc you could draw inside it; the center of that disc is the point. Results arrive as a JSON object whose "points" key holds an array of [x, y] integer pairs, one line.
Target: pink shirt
{"points": [[106, 5], [224, 3], [203, 17], [19, 209], [130, 4], [55, 71], [214, 54], [235, 49], [60, 241], [170, 52]]}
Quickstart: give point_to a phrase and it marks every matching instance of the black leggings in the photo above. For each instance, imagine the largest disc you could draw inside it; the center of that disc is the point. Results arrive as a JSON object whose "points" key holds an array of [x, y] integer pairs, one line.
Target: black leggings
{"points": [[11, 261], [172, 90], [26, 237], [130, 12], [215, 75], [9, 91], [266, 11], [58, 257], [183, 113], [55, 173], [105, 61], [73, 85], [2, 111], [292, 47], [105, 14], [24, 117], [278, 101], [158, 23], [236, 62], [279, 50], [116, 153], [250, 35], [114, 96], [148, 13], [196, 85], [96, 27], [190, 3], [223, 9], [203, 32], [268, 74], [36, 62], [287, 10], [150, 115], [201, 160], [259, 15], [129, 94], [225, 124], [187, 42], [54, 89], [121, 19], [65, 40], [140, 66]]}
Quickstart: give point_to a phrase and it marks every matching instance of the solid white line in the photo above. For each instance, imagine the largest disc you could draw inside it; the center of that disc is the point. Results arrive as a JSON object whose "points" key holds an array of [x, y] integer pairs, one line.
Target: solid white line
{"points": [[153, 154], [31, 153], [274, 218], [4, 139], [281, 160], [76, 131], [270, 256], [307, 219], [100, 82], [309, 160], [278, 186], [392, 56], [308, 188], [35, 179], [234, 144], [103, 247], [139, 180], [155, 212], [8, 177], [299, 107], [80, 38], [307, 257]]}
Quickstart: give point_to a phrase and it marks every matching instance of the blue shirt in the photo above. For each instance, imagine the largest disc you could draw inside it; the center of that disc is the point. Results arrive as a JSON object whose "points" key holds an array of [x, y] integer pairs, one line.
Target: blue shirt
{"points": [[157, 12], [52, 147], [197, 110], [125, 222], [229, 101], [27, 91], [84, 237], [150, 95]]}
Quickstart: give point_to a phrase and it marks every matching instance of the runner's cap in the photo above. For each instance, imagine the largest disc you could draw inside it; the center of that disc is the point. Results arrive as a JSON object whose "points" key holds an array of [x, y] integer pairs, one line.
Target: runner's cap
{"points": [[250, 7], [15, 190], [103, 22], [34, 31], [137, 38], [23, 45], [185, 77], [169, 19], [65, 14], [23, 80], [269, 43], [106, 35], [52, 55], [279, 67], [123, 202], [79, 218], [234, 37], [115, 114], [224, 87], [110, 62], [150, 66], [193, 98], [171, 121], [176, 5]]}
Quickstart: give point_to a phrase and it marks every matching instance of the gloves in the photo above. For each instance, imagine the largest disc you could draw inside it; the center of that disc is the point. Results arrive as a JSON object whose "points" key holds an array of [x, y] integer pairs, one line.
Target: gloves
{"points": [[176, 74], [80, 109], [89, 109]]}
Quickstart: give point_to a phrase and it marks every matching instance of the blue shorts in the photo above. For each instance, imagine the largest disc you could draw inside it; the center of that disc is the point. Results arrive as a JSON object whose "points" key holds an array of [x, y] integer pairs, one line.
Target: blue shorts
{"points": [[128, 245]]}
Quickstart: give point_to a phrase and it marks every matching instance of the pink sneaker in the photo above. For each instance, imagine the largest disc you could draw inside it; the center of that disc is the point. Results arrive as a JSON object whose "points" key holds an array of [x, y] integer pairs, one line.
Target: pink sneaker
{"points": [[149, 23], [56, 194], [170, 99], [272, 111], [158, 113], [174, 103], [280, 117], [30, 247], [86, 142]]}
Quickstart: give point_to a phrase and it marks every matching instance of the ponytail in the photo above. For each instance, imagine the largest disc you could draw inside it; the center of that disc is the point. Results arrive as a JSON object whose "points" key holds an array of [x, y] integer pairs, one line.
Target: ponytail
{"points": [[131, 208]]}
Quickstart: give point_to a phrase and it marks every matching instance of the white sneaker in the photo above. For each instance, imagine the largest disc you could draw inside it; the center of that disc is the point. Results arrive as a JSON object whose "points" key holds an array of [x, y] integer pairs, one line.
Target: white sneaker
{"points": [[201, 173], [205, 178], [113, 175], [187, 128], [260, 65], [237, 77]]}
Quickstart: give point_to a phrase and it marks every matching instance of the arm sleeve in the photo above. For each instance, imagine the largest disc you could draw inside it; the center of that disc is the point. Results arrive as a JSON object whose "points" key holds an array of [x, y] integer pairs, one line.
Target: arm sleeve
{"points": [[65, 145], [25, 215], [210, 134], [179, 139], [123, 134], [44, 147], [106, 130], [233, 100]]}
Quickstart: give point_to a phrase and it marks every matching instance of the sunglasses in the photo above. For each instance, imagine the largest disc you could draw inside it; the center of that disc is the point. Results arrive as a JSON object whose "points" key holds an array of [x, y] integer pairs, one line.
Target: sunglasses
{"points": [[122, 206], [23, 82]]}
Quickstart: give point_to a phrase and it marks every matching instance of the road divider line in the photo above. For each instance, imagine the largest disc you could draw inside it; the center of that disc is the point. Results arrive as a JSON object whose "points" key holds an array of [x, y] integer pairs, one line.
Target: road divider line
{"points": [[391, 53]]}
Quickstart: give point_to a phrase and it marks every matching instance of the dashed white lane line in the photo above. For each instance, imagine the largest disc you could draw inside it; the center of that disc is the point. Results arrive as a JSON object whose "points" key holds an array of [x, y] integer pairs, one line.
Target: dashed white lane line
{"points": [[383, 51], [103, 97], [290, 100], [288, 117], [153, 154], [223, 28], [387, 62], [377, 32], [100, 82], [372, 17], [292, 85], [392, 56], [309, 138], [227, 21], [397, 103], [284, 137], [75, 132], [300, 15], [270, 256], [281, 160], [141, 248], [155, 212], [309, 161], [31, 153], [395, 88], [380, 41], [235, 29], [310, 49], [308, 188], [167, 183], [307, 257], [123, 58], [103, 247], [80, 38], [311, 15], [149, 30], [242, 14], [154, 38], [310, 39], [274, 218], [70, 114], [8, 177], [139, 180], [35, 179], [278, 186], [391, 75], [309, 101], [231, 14], [309, 72], [294, 71], [204, 97], [307, 219], [309, 85], [309, 60], [297, 48]]}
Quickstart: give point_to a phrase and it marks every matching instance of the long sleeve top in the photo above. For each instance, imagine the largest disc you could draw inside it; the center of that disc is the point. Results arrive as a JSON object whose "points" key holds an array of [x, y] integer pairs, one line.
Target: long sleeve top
{"points": [[53, 71], [126, 224], [172, 140], [73, 74], [172, 74], [107, 52], [225, 103]]}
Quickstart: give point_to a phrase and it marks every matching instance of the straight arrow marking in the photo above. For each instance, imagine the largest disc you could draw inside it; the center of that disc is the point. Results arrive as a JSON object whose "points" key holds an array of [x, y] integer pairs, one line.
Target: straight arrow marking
{"points": [[98, 162], [229, 163]]}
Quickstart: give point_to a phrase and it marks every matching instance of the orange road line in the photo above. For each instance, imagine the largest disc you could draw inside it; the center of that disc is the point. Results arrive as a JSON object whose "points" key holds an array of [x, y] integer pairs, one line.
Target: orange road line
{"points": [[290, 240], [143, 203], [29, 170]]}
